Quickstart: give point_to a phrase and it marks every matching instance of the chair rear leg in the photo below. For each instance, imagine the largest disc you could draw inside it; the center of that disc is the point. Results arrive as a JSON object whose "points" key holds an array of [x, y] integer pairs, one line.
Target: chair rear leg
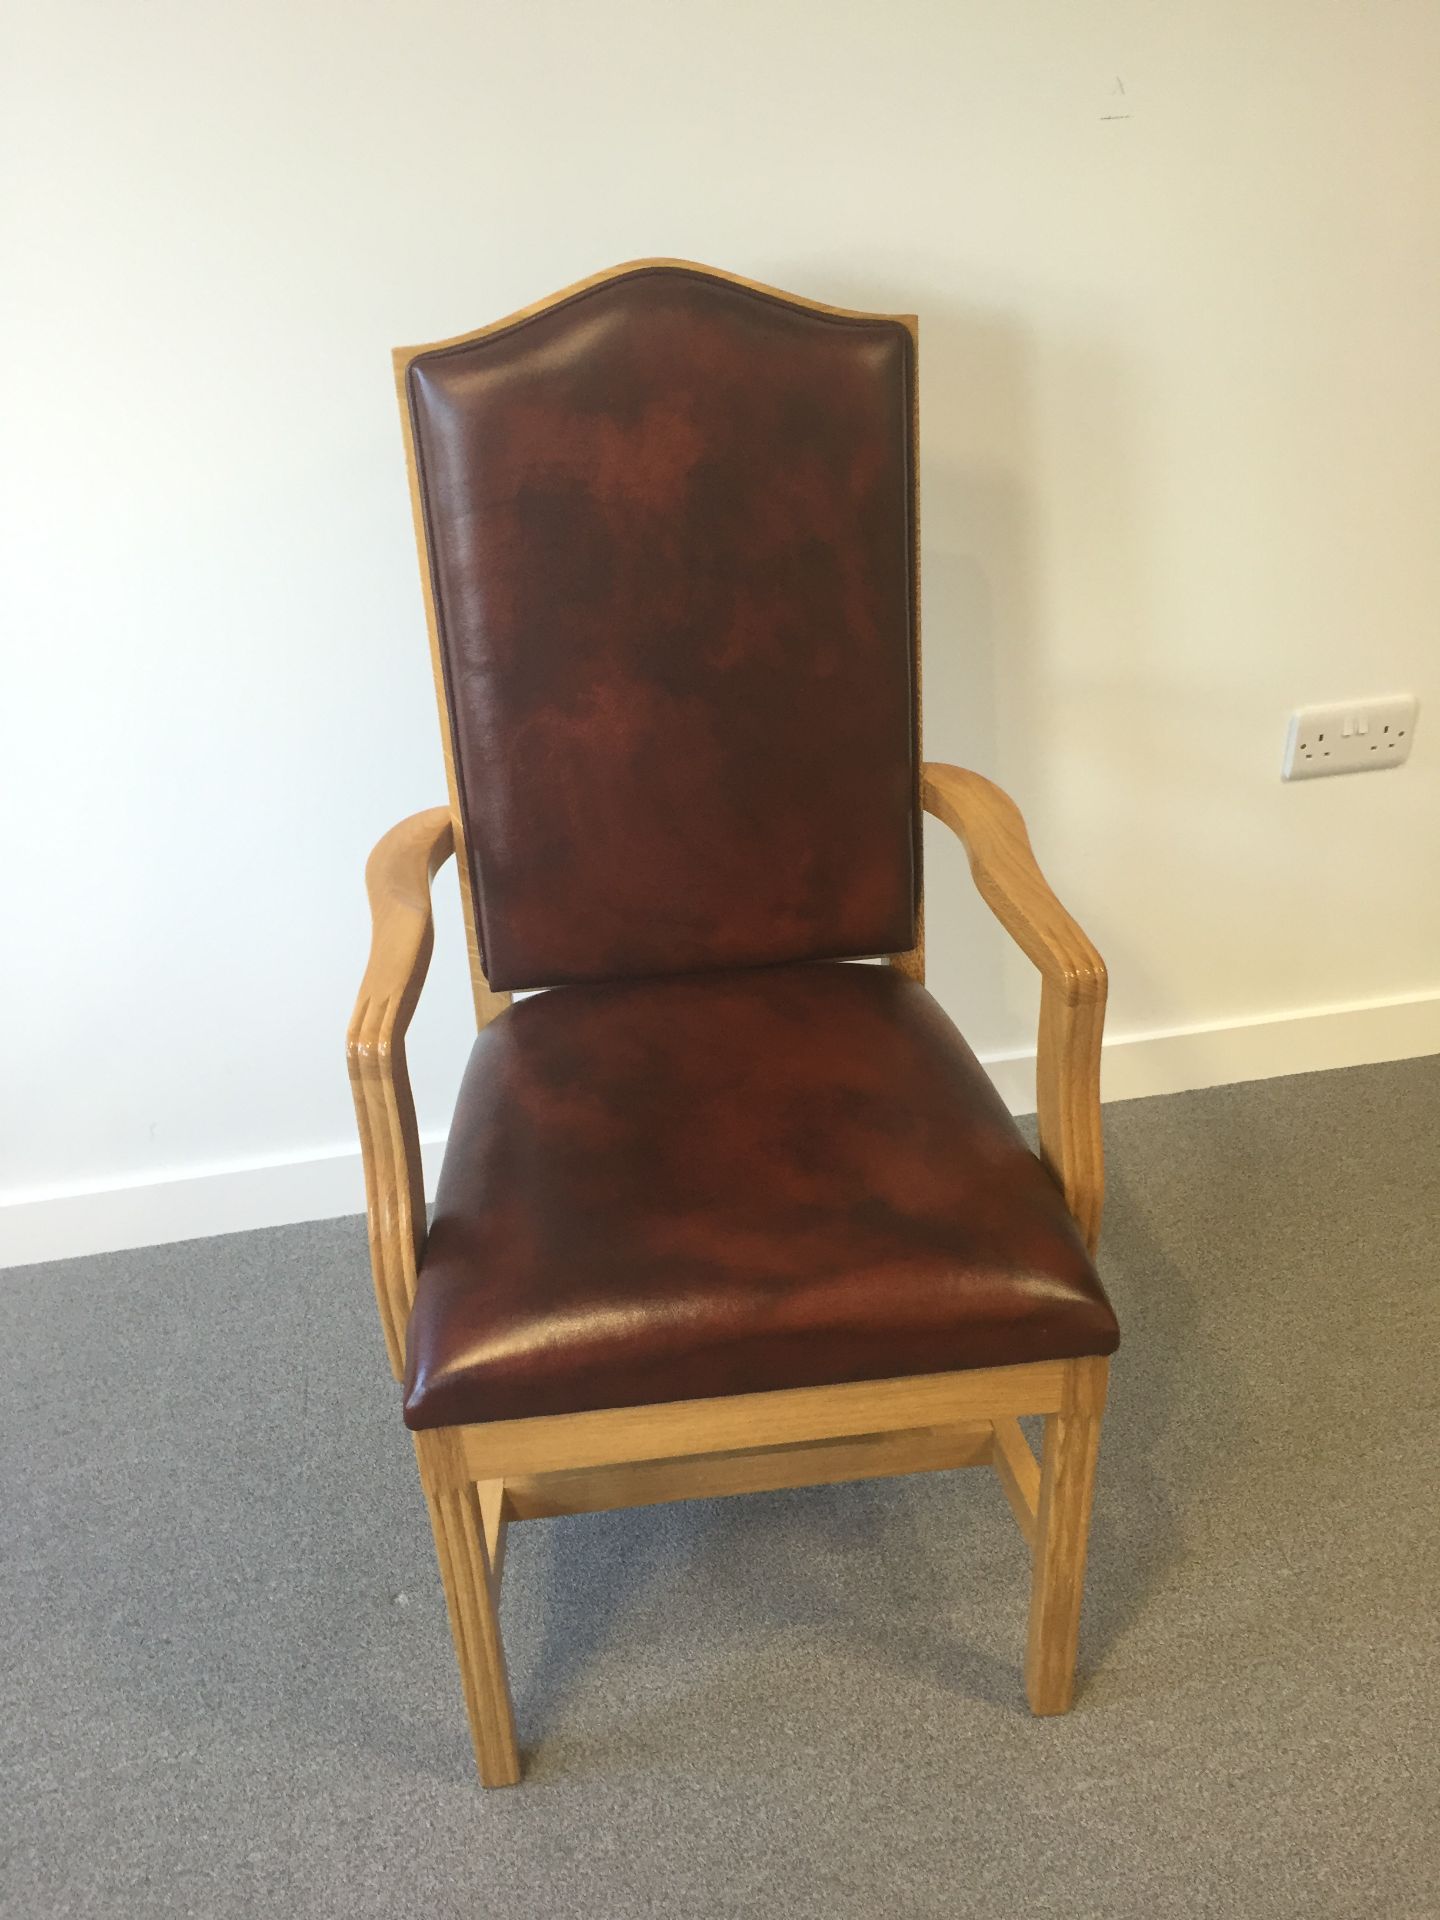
{"points": [[471, 1582], [1067, 1488]]}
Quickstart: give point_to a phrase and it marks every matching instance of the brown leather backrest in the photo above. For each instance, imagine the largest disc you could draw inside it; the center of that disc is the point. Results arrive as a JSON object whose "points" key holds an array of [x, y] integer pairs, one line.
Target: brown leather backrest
{"points": [[670, 522]]}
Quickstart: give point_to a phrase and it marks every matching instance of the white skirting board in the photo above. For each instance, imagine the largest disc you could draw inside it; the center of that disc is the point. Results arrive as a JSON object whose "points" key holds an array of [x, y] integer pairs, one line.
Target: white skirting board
{"points": [[148, 1211], [1317, 1040]]}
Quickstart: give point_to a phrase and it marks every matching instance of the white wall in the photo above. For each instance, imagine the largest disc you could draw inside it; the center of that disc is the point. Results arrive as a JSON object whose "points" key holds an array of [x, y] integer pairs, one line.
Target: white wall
{"points": [[1181, 406]]}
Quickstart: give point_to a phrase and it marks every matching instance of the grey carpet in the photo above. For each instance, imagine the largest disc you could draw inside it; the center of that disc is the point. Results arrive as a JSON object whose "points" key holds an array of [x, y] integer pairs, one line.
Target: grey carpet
{"points": [[229, 1688]]}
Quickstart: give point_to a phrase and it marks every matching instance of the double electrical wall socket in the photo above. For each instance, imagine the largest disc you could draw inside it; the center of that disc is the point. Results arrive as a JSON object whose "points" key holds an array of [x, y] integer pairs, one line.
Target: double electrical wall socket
{"points": [[1352, 736]]}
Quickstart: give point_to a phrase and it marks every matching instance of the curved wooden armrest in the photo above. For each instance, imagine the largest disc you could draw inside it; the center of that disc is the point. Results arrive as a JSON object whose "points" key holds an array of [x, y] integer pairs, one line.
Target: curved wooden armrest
{"points": [[1072, 996], [1009, 880], [397, 877]]}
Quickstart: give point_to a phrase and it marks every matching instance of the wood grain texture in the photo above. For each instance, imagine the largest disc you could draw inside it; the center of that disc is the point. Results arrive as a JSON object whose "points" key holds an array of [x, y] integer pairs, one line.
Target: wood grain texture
{"points": [[470, 1600], [806, 1463], [1019, 1474], [1067, 1491], [495, 1517], [1067, 1103], [397, 878], [744, 1422], [1073, 980]]}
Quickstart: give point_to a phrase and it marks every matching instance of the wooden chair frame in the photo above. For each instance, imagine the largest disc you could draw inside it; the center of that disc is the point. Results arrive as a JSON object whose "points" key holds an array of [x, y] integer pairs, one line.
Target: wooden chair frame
{"points": [[478, 1479]]}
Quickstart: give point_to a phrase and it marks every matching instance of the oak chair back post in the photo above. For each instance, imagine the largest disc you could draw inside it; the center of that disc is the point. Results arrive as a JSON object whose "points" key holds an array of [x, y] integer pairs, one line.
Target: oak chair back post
{"points": [[482, 1475]]}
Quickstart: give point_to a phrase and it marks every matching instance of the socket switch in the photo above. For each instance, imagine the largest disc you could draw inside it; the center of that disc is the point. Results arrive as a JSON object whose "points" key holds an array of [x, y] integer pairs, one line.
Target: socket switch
{"points": [[1351, 736]]}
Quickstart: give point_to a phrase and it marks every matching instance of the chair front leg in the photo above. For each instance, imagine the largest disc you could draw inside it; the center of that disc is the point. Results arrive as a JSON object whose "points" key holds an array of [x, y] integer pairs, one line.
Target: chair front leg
{"points": [[1067, 1488], [469, 1552]]}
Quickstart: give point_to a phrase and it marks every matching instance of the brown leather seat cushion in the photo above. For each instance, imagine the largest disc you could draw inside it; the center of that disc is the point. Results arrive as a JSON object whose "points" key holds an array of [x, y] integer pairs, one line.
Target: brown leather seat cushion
{"points": [[728, 1183]]}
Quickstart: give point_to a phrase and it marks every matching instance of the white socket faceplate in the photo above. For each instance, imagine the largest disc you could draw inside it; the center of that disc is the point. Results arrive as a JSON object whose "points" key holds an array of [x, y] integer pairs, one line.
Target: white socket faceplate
{"points": [[1350, 736]]}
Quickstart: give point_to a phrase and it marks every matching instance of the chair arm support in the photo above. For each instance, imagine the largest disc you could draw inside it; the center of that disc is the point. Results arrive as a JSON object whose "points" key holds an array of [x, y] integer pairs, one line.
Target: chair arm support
{"points": [[1073, 980], [397, 877]]}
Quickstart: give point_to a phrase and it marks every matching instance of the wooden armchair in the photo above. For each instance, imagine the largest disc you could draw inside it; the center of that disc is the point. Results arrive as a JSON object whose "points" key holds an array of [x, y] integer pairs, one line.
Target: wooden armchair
{"points": [[718, 1215]]}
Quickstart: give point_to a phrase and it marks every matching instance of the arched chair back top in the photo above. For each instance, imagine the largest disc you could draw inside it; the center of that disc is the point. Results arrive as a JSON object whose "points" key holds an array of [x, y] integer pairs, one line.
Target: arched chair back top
{"points": [[669, 529]]}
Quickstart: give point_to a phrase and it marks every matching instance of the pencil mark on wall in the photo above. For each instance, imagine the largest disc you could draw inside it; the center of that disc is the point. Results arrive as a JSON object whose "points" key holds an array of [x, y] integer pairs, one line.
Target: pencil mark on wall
{"points": [[1118, 93]]}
